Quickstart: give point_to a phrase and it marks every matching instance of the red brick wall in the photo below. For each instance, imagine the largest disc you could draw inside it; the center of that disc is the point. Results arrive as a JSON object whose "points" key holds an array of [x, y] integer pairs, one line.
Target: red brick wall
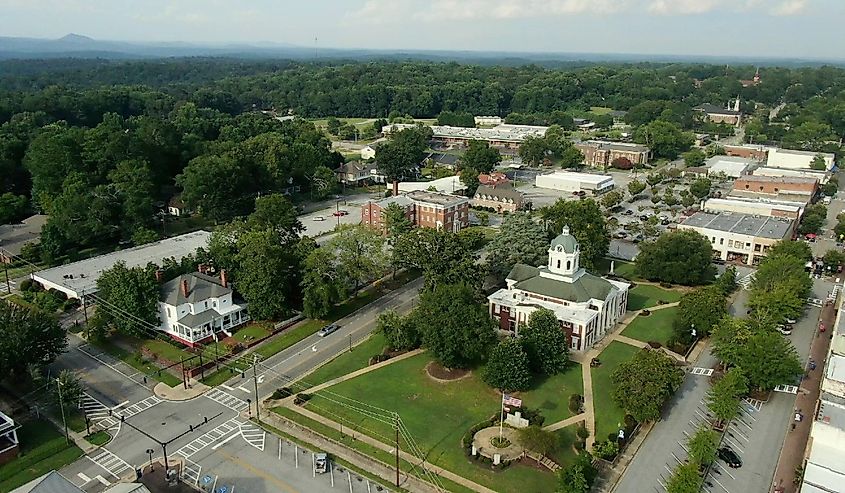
{"points": [[9, 455], [759, 186], [744, 152]]}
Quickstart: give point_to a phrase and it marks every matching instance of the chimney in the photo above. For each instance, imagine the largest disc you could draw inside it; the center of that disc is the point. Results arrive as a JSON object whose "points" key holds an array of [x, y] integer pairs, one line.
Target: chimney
{"points": [[185, 288], [159, 275], [223, 279], [395, 188]]}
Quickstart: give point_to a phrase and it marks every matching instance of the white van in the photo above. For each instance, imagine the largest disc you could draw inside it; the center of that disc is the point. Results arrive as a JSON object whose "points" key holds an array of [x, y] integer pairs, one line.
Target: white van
{"points": [[321, 463], [826, 200]]}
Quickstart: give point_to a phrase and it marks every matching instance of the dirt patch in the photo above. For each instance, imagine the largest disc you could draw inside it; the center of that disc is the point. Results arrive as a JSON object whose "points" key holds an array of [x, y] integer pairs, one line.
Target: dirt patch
{"points": [[533, 464], [437, 372]]}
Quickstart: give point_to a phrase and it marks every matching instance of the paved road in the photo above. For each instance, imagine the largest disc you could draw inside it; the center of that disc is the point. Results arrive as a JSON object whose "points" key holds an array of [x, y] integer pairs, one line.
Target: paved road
{"points": [[294, 362], [756, 436]]}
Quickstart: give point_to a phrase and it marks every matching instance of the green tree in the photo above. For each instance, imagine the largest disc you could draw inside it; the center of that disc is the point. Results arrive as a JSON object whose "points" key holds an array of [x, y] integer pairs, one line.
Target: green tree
{"points": [[479, 156], [635, 187], [612, 199], [277, 213], [642, 384], [360, 254], [323, 286], [702, 446], [665, 139], [813, 219], [545, 342], [219, 187], [28, 336], [702, 309], [723, 398], [402, 152], [797, 249], [400, 333], [779, 289], [267, 274], [396, 221], [586, 223], [833, 259], [133, 182], [455, 326], [519, 240], [534, 150], [12, 207], [68, 390], [768, 359], [818, 163], [142, 236], [578, 477], [700, 187], [507, 367], [469, 177], [680, 257], [128, 290], [726, 283], [442, 256], [694, 157], [536, 439], [685, 479]]}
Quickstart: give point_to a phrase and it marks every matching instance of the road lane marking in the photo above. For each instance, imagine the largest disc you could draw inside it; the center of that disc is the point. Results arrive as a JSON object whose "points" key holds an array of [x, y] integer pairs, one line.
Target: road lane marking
{"points": [[233, 435], [244, 389], [102, 480], [84, 478]]}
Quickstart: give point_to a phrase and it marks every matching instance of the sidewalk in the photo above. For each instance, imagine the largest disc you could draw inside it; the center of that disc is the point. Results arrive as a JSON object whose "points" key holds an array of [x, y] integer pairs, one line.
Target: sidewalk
{"points": [[796, 442]]}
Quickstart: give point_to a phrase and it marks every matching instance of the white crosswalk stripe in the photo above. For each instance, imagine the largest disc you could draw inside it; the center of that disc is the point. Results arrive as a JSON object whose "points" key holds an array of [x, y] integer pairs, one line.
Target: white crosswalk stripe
{"points": [[97, 412], [754, 404], [113, 464], [226, 399], [787, 389], [221, 431], [746, 281], [191, 472], [702, 371], [253, 435], [139, 407]]}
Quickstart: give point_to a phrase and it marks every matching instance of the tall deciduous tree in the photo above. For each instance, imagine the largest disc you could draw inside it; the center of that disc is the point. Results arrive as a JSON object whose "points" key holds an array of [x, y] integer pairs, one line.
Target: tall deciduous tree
{"points": [[636, 187], [522, 240], [401, 334], [723, 399], [533, 150], [396, 222], [480, 157], [702, 446], [642, 384], [702, 309], [681, 257], [129, 290], [28, 336], [536, 439], [442, 256], [322, 283], [685, 479], [507, 367], [586, 223], [665, 139], [779, 288], [545, 342], [277, 213], [402, 153], [267, 273], [67, 390], [700, 187], [361, 254], [578, 477], [455, 326], [694, 157]]}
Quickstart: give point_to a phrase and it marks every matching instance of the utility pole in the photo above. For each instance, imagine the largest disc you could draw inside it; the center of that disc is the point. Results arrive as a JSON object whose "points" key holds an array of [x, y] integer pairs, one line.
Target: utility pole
{"points": [[8, 284], [396, 427], [62, 407], [85, 314], [182, 366], [255, 380]]}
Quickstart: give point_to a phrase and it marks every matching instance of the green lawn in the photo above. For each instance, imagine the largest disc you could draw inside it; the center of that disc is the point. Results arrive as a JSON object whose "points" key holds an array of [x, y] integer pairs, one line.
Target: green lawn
{"points": [[135, 361], [551, 394], [647, 296], [252, 331], [99, 438], [347, 362], [655, 327], [566, 437], [435, 414], [600, 110], [608, 414], [620, 268], [43, 448]]}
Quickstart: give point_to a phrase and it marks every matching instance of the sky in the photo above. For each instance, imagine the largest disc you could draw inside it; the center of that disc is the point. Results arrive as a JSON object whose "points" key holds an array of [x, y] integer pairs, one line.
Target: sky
{"points": [[754, 28]]}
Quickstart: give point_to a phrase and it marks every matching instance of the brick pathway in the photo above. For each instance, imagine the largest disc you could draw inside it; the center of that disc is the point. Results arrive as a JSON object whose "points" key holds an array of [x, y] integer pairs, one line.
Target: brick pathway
{"points": [[795, 444]]}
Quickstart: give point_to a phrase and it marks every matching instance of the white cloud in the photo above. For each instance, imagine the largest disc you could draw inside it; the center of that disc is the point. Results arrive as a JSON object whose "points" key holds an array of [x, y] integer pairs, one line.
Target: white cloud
{"points": [[790, 7]]}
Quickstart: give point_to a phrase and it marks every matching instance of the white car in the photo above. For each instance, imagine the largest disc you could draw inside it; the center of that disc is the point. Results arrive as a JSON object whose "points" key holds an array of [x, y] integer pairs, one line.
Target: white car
{"points": [[319, 218], [785, 329], [791, 321], [321, 463]]}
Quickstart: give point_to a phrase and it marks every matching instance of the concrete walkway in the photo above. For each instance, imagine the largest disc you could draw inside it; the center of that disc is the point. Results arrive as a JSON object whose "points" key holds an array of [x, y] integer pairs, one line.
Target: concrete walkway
{"points": [[179, 392], [566, 422]]}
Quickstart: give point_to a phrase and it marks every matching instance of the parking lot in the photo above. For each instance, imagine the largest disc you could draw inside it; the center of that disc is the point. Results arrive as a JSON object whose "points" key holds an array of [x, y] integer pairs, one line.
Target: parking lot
{"points": [[324, 220]]}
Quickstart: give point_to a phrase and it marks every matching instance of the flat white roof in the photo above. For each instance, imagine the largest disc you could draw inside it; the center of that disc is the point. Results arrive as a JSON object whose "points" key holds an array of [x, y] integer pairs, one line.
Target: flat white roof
{"points": [[579, 177], [449, 184], [755, 204], [81, 277], [836, 368]]}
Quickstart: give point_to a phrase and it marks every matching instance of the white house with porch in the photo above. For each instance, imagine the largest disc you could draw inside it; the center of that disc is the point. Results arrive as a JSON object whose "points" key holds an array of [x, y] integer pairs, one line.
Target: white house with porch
{"points": [[195, 308], [587, 306]]}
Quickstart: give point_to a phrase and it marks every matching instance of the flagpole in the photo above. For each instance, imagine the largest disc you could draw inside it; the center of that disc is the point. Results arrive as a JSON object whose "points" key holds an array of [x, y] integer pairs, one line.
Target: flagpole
{"points": [[502, 416]]}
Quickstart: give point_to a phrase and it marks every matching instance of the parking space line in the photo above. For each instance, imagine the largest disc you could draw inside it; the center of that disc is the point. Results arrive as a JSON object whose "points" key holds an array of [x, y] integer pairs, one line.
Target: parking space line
{"points": [[349, 476], [724, 470], [720, 484], [313, 466], [735, 430], [733, 443], [280, 449], [331, 472]]}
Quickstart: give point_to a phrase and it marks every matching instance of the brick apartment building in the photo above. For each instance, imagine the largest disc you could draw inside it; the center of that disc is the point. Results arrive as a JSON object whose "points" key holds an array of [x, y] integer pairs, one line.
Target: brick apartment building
{"points": [[753, 152], [803, 189], [423, 209], [601, 154]]}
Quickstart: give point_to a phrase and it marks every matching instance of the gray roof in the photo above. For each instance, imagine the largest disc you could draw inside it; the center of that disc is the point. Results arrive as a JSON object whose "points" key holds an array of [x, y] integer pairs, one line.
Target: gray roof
{"points": [[580, 290], [502, 191], [52, 482], [764, 227], [616, 146], [198, 319], [443, 199], [567, 241], [712, 108], [14, 236], [200, 287]]}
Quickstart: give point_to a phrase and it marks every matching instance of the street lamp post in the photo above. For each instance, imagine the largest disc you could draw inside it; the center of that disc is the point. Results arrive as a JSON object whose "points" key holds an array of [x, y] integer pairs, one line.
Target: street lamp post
{"points": [[162, 444], [62, 408], [150, 452]]}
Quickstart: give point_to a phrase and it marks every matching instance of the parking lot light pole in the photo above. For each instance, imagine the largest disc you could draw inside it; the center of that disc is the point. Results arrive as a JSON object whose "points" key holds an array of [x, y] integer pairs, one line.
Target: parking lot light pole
{"points": [[62, 408], [162, 444], [150, 452]]}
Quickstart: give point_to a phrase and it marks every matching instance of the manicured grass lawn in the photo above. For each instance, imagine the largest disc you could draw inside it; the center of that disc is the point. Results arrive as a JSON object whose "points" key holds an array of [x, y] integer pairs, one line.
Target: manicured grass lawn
{"points": [[621, 268], [347, 362], [135, 361], [435, 414], [647, 296], [43, 449], [564, 455], [551, 394], [608, 414], [166, 350], [655, 327], [99, 438], [600, 110], [251, 332]]}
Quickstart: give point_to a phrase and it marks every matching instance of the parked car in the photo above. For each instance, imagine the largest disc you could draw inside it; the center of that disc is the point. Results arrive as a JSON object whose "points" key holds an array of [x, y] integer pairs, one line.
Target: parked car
{"points": [[340, 213], [321, 463], [628, 212], [328, 329], [791, 321], [621, 235], [730, 457], [637, 239], [785, 329], [319, 218]]}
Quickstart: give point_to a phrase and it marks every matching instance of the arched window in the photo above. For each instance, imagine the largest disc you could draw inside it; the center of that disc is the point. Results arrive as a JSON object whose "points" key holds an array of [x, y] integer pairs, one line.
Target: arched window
{"points": [[568, 265], [558, 264]]}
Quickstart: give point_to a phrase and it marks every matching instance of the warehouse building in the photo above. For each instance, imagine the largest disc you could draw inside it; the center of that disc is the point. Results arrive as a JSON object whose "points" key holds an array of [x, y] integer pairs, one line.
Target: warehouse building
{"points": [[79, 279], [569, 181], [792, 159]]}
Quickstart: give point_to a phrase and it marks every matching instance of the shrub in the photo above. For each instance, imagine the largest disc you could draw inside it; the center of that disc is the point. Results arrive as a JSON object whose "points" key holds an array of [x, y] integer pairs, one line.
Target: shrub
{"points": [[607, 449], [26, 285], [301, 399], [580, 445], [666, 285], [282, 393], [575, 403], [654, 344], [582, 432]]}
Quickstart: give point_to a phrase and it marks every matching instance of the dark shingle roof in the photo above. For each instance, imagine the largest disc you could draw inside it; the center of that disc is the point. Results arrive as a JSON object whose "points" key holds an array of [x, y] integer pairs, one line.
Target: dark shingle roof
{"points": [[712, 108], [200, 287], [501, 191]]}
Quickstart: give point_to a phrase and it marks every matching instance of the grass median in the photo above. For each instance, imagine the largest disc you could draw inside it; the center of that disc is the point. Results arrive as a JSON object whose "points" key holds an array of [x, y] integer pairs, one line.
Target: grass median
{"points": [[43, 449]]}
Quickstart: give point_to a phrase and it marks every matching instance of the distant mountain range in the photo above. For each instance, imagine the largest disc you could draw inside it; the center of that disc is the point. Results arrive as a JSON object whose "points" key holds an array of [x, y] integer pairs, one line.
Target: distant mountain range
{"points": [[79, 46]]}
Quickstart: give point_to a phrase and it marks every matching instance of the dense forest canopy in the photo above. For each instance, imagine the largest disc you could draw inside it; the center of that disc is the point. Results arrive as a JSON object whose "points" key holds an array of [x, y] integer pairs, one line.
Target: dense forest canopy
{"points": [[101, 145]]}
